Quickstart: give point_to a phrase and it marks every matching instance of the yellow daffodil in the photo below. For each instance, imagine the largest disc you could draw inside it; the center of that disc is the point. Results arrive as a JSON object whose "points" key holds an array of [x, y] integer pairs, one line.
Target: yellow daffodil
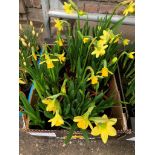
{"points": [[126, 2], [24, 63], [49, 61], [99, 51], [58, 24], [21, 81], [52, 104], [83, 121], [60, 42], [24, 43], [31, 23], [105, 71], [100, 43], [20, 27], [114, 38], [129, 9], [57, 120], [94, 79], [114, 60], [33, 32], [105, 129], [85, 40], [25, 37], [107, 35], [126, 42], [63, 87], [41, 30], [22, 39], [68, 8], [33, 53], [131, 55], [61, 57]]}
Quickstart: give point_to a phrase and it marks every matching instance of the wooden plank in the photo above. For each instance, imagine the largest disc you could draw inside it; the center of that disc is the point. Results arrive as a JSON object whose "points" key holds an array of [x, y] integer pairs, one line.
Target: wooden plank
{"points": [[22, 6], [45, 9], [28, 3]]}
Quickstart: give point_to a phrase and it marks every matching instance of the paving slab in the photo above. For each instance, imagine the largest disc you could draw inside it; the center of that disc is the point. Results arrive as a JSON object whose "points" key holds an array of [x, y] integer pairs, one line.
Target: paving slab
{"points": [[32, 145]]}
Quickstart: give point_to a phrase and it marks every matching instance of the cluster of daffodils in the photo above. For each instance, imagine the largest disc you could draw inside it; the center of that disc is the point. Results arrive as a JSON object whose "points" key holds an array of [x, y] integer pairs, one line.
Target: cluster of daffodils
{"points": [[69, 75], [53, 105]]}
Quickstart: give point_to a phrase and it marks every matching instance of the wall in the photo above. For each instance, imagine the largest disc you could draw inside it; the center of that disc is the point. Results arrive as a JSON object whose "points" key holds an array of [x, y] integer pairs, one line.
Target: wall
{"points": [[31, 10]]}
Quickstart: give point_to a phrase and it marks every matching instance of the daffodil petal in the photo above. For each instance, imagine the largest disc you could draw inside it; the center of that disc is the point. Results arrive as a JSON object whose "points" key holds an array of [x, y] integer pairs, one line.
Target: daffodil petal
{"points": [[104, 137], [95, 131], [111, 131], [112, 121], [77, 118]]}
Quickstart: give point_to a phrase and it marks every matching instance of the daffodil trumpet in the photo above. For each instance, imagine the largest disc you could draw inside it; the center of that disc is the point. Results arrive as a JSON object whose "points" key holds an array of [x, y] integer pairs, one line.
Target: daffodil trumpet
{"points": [[83, 121], [104, 127]]}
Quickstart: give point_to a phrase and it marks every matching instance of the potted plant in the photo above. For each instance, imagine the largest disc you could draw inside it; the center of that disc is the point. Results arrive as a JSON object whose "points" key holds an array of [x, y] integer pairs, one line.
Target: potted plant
{"points": [[74, 82]]}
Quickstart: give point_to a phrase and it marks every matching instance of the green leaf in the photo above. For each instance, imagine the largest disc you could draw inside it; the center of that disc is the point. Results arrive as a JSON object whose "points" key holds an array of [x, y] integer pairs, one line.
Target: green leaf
{"points": [[70, 133], [85, 134]]}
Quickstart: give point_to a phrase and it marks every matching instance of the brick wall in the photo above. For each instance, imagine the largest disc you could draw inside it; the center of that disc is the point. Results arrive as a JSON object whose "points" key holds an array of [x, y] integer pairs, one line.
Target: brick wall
{"points": [[31, 9]]}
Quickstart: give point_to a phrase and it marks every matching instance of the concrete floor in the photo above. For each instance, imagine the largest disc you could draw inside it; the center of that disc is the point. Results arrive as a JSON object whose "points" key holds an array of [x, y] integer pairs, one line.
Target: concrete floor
{"points": [[31, 145]]}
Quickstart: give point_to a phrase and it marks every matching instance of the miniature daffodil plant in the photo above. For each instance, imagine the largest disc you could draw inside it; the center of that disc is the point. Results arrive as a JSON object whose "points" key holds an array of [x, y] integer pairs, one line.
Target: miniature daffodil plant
{"points": [[71, 76]]}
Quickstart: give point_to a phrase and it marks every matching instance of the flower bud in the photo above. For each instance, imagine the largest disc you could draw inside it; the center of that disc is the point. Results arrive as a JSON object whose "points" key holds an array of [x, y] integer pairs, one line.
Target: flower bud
{"points": [[114, 60]]}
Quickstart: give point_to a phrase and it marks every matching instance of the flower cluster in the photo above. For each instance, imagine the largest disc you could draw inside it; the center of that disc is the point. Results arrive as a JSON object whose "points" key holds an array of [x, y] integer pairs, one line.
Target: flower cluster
{"points": [[71, 75]]}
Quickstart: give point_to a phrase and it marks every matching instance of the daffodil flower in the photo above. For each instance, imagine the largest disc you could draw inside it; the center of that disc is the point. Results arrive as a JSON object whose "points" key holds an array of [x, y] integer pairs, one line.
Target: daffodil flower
{"points": [[21, 81], [83, 121], [126, 42], [60, 42], [105, 128], [129, 9], [99, 51], [41, 30], [52, 104], [57, 120], [105, 71], [22, 39], [68, 8], [105, 36], [58, 24], [49, 61], [100, 43], [31, 23], [61, 57], [24, 43], [94, 79], [108, 36], [131, 55], [33, 53], [85, 40], [33, 32], [20, 27]]}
